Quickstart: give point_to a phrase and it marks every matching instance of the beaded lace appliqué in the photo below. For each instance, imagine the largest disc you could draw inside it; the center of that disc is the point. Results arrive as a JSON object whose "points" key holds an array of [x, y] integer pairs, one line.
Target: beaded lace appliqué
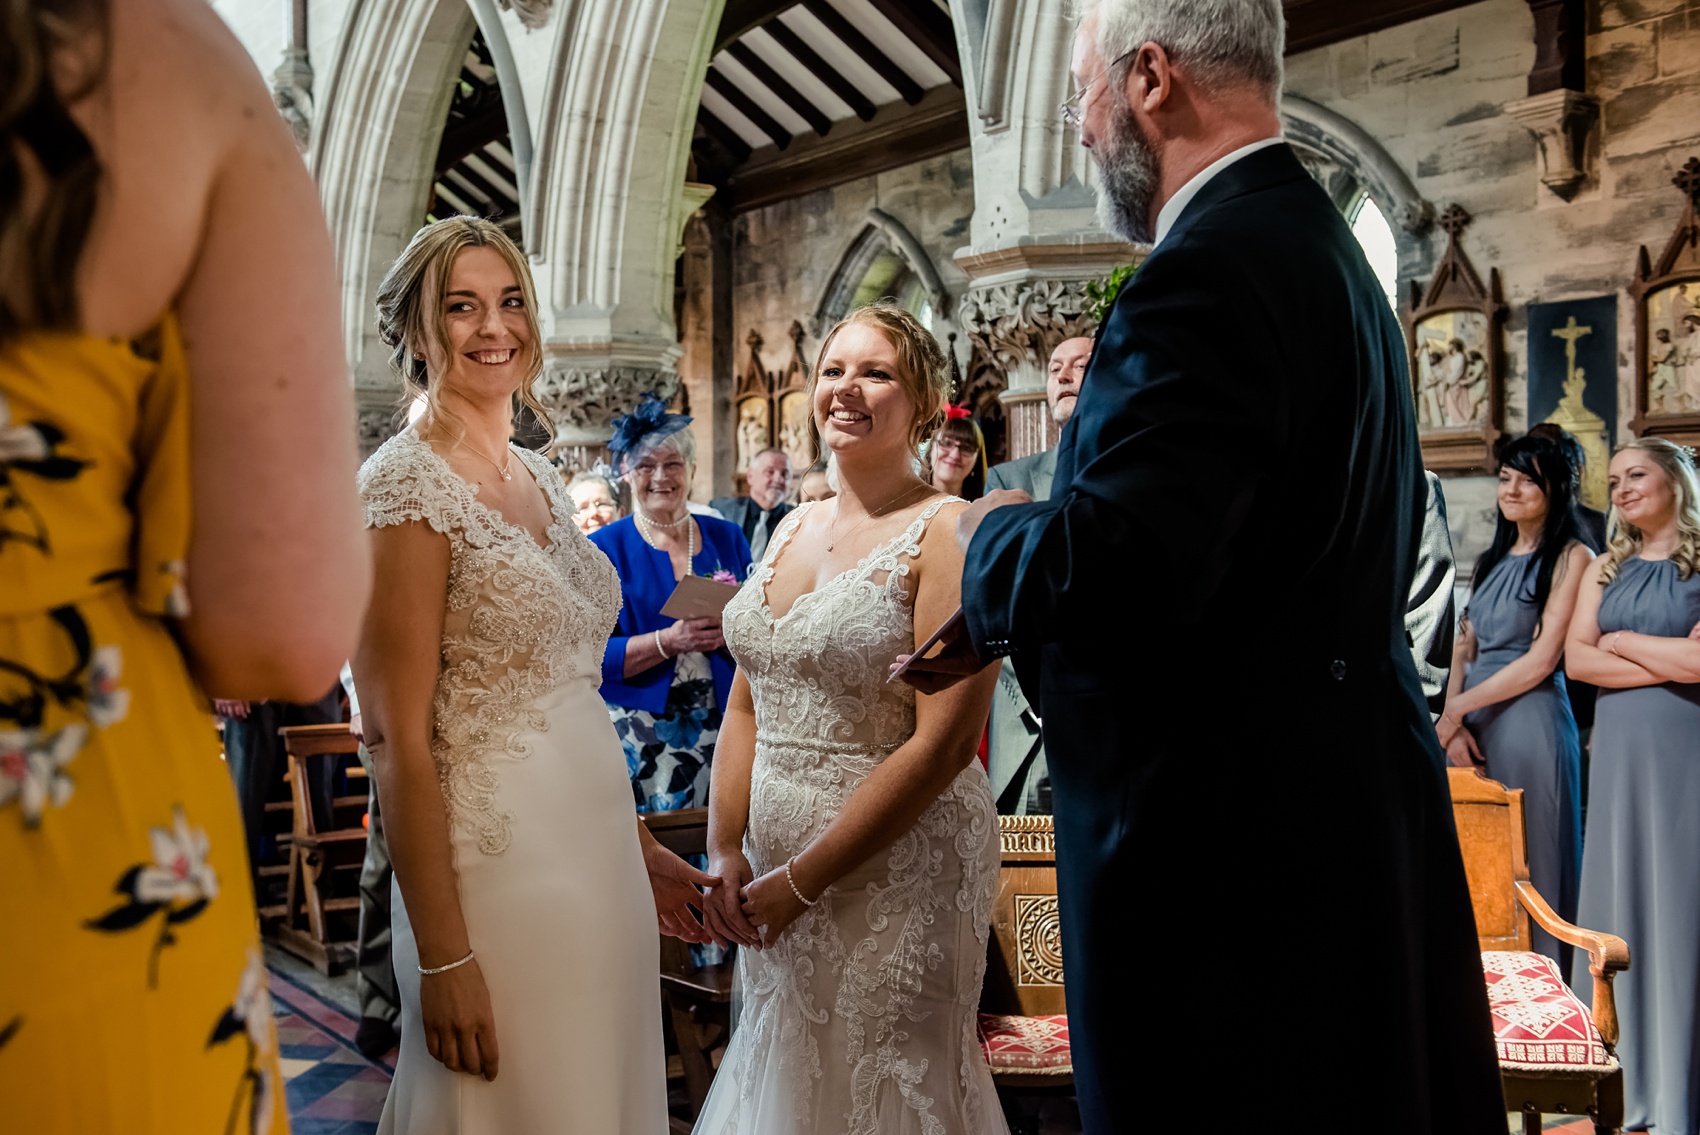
{"points": [[520, 619], [860, 961]]}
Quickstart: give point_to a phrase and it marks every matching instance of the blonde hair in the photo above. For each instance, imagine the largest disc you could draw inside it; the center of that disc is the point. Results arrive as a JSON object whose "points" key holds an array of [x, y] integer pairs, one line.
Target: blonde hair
{"points": [[923, 371], [410, 309], [1623, 539]]}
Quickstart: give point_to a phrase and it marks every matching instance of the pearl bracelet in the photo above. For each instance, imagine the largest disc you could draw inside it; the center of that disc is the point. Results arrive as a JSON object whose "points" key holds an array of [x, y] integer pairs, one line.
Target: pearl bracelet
{"points": [[794, 890], [662, 650], [447, 968]]}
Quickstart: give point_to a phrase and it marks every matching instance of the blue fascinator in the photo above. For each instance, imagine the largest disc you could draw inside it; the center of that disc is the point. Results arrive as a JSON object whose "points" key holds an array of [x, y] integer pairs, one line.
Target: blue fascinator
{"points": [[637, 434]]}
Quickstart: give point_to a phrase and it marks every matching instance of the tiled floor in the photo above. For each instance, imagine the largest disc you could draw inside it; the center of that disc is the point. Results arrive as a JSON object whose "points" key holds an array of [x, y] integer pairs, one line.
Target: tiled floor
{"points": [[333, 1090]]}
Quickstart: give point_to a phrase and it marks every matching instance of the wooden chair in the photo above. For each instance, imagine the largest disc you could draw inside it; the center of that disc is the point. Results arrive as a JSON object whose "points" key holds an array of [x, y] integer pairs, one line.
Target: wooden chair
{"points": [[1570, 1070], [698, 999], [315, 856], [1023, 1021]]}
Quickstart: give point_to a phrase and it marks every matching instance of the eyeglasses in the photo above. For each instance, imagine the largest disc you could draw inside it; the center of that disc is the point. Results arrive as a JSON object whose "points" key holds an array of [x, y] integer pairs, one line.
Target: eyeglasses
{"points": [[647, 470], [951, 445], [1071, 108]]}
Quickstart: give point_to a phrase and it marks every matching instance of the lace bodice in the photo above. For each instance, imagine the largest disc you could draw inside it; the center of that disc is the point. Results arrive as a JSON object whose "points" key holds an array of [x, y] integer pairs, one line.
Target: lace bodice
{"points": [[860, 1018], [520, 619]]}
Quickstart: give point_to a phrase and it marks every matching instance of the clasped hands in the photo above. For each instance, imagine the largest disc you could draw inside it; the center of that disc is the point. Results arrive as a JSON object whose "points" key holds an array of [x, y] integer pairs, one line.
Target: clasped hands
{"points": [[736, 907]]}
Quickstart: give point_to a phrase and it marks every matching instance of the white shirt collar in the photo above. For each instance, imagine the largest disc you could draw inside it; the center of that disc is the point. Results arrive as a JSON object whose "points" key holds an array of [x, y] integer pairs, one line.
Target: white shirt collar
{"points": [[1172, 208]]}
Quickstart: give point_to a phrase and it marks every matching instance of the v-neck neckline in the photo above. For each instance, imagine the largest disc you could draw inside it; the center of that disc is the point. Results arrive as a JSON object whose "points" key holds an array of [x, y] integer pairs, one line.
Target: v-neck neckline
{"points": [[784, 538], [496, 515]]}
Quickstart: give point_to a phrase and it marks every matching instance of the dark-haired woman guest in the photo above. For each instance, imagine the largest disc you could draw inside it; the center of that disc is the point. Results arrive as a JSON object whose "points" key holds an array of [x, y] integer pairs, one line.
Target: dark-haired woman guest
{"points": [[1507, 710], [1636, 636], [956, 457]]}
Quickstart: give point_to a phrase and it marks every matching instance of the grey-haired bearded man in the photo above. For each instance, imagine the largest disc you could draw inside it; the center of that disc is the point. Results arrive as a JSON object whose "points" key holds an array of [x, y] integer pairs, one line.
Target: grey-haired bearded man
{"points": [[1257, 864]]}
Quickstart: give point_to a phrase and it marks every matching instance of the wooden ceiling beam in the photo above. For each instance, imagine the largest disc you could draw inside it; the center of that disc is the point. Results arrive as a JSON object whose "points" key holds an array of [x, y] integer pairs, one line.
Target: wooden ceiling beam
{"points": [[821, 69], [740, 16], [928, 28], [729, 138], [749, 108], [908, 89], [471, 134], [776, 83], [1318, 23]]}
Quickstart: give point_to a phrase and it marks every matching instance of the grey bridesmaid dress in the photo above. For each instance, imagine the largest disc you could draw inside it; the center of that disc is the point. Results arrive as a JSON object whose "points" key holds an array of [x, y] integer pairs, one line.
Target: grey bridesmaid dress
{"points": [[1530, 741], [1641, 865]]}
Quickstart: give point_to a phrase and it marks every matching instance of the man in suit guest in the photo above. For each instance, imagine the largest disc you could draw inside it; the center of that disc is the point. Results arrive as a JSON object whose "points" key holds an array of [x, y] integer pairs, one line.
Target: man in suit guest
{"points": [[759, 513], [1217, 586], [1015, 754]]}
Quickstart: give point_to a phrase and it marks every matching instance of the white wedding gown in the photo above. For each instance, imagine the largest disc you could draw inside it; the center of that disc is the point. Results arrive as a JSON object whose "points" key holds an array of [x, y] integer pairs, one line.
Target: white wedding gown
{"points": [[860, 1019], [552, 882]]}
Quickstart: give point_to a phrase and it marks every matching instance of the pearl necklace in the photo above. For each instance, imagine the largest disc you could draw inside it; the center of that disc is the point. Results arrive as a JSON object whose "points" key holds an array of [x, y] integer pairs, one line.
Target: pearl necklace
{"points": [[643, 523]]}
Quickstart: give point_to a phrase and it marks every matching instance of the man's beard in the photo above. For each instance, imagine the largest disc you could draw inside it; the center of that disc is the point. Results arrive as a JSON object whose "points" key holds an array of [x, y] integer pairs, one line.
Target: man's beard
{"points": [[1129, 169]]}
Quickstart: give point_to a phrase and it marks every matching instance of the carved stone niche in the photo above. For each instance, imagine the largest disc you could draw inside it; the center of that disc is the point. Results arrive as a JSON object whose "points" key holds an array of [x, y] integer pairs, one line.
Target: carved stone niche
{"points": [[583, 400]]}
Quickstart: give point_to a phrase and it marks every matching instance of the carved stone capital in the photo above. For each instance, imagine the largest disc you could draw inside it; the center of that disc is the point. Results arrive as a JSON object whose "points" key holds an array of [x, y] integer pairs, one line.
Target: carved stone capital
{"points": [[292, 94], [1561, 122], [583, 400], [1017, 325], [373, 426]]}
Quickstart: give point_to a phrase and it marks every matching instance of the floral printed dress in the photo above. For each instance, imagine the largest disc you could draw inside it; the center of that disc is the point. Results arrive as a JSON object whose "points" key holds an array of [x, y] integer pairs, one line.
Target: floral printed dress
{"points": [[133, 996]]}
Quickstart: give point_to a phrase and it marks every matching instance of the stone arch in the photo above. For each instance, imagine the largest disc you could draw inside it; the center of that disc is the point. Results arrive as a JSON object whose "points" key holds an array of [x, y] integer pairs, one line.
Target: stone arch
{"points": [[389, 89], [608, 184], [1351, 165], [883, 239]]}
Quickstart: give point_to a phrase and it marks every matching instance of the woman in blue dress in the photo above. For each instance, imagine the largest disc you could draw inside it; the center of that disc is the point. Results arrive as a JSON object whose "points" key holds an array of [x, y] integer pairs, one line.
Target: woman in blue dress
{"points": [[1507, 711], [1636, 635], [665, 680]]}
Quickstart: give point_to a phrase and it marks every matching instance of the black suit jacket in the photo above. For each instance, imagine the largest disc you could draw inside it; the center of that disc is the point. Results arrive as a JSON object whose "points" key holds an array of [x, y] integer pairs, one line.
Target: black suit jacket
{"points": [[746, 514], [1209, 615]]}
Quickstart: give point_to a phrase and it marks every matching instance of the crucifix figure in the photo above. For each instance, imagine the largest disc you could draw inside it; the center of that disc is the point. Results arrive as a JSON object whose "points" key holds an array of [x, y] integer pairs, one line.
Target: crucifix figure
{"points": [[1570, 332]]}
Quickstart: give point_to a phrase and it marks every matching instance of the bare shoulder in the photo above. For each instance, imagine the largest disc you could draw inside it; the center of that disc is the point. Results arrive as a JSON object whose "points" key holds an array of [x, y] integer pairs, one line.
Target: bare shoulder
{"points": [[939, 539]]}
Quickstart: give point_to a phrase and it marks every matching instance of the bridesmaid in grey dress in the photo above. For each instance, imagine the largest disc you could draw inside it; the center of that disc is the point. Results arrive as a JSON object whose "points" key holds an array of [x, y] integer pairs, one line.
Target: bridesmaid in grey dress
{"points": [[1506, 688], [1636, 635]]}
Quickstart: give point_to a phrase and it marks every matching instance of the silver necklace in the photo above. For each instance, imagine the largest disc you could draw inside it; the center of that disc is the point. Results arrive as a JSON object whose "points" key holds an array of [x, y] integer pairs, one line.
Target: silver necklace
{"points": [[884, 510], [503, 469], [644, 522]]}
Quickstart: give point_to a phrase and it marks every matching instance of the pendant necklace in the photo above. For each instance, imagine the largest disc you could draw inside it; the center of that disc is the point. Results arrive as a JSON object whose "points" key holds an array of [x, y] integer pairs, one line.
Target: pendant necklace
{"points": [[503, 469], [885, 510], [644, 522]]}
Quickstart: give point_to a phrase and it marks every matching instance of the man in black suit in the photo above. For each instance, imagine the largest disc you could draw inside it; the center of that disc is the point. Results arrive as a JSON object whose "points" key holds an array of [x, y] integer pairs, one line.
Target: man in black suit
{"points": [[759, 513], [1259, 874]]}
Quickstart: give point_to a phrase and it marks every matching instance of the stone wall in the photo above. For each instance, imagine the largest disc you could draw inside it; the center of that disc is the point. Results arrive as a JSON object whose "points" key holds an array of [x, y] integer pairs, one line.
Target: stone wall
{"points": [[785, 256], [1433, 92]]}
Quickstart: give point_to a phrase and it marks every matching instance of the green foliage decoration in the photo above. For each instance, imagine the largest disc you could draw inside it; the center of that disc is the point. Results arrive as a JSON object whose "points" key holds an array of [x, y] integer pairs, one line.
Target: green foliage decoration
{"points": [[1101, 294]]}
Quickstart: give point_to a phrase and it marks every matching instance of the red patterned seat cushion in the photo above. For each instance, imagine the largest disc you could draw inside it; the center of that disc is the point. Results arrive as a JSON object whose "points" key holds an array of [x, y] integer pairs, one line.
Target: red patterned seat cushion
{"points": [[1538, 1023], [1026, 1044]]}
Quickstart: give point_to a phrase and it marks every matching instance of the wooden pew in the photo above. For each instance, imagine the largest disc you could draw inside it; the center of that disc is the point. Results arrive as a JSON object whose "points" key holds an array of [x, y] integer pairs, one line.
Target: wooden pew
{"points": [[698, 1000]]}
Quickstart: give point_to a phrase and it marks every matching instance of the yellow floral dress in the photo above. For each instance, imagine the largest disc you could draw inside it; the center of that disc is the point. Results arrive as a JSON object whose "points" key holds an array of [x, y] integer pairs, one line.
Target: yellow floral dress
{"points": [[133, 995]]}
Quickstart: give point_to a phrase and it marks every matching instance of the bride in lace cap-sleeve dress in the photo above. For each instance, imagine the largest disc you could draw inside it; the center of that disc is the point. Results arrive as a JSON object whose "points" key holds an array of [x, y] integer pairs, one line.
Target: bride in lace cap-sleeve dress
{"points": [[853, 795], [543, 1013]]}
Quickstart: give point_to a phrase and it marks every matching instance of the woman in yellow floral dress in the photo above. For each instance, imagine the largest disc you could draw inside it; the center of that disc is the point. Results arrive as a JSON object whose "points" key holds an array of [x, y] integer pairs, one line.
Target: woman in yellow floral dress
{"points": [[177, 514]]}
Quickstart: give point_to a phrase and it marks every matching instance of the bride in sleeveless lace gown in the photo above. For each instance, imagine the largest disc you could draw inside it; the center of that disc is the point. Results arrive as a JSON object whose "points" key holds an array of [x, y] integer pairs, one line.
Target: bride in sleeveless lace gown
{"points": [[524, 939], [861, 820]]}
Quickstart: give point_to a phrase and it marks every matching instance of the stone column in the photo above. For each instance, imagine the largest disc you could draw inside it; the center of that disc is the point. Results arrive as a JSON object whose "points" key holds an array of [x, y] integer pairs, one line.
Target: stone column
{"points": [[1035, 232], [583, 400]]}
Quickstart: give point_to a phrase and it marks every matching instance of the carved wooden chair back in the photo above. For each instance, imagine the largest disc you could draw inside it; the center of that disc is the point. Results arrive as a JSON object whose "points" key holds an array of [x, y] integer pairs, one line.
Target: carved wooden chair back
{"points": [[1024, 975], [1491, 836]]}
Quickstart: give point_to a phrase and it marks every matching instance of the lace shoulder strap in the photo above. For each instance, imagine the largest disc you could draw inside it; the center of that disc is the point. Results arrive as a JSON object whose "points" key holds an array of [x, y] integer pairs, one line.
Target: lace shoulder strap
{"points": [[406, 480], [907, 545], [787, 529]]}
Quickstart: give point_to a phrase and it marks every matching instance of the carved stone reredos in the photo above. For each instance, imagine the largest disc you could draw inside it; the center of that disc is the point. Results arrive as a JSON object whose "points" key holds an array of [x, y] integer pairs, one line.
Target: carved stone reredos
{"points": [[582, 401]]}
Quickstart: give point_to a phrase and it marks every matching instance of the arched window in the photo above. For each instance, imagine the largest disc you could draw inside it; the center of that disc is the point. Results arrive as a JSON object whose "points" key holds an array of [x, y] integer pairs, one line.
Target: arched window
{"points": [[1376, 237]]}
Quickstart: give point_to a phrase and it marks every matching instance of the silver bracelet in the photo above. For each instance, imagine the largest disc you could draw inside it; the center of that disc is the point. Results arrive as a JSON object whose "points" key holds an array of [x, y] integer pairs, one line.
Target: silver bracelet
{"points": [[447, 968], [662, 650], [793, 882]]}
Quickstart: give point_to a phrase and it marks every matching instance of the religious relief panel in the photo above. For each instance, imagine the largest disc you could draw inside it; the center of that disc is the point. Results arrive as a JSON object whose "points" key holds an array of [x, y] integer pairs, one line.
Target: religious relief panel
{"points": [[1573, 380], [1667, 325], [1038, 935], [772, 407], [1453, 333]]}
